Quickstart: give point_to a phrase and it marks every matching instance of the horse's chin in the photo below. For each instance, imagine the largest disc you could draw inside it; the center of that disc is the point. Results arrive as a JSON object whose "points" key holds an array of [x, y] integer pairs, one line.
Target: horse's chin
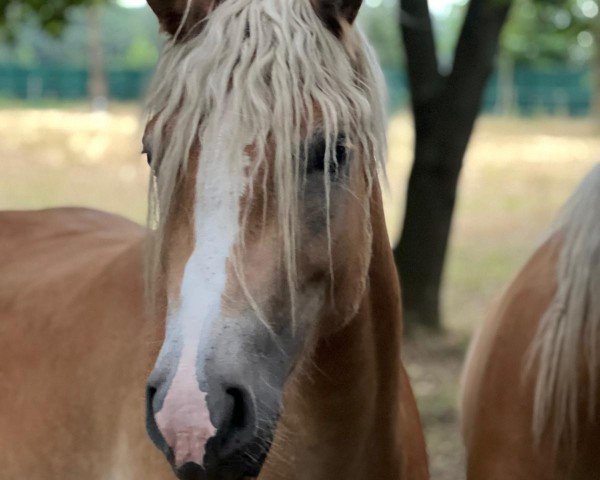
{"points": [[243, 464], [193, 471]]}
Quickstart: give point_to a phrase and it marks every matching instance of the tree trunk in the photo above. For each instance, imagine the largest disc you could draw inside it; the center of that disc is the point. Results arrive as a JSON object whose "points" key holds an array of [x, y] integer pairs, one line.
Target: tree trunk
{"points": [[97, 85], [445, 109]]}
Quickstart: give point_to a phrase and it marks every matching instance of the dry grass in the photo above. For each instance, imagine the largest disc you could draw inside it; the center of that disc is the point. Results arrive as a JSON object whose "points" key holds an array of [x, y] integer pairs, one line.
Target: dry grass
{"points": [[57, 157], [518, 172]]}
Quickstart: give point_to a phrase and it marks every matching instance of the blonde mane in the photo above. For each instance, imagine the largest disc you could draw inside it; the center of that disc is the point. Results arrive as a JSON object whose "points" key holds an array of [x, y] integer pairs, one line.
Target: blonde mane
{"points": [[569, 333], [267, 66]]}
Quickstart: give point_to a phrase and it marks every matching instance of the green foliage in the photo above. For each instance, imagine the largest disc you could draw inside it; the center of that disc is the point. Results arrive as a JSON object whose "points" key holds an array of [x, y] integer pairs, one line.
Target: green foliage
{"points": [[552, 31], [538, 32], [52, 16], [141, 53], [130, 40], [380, 24]]}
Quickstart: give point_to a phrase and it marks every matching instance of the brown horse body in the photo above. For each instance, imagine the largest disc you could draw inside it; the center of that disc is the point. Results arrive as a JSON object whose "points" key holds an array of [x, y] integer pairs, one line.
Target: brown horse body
{"points": [[76, 349], [500, 415]]}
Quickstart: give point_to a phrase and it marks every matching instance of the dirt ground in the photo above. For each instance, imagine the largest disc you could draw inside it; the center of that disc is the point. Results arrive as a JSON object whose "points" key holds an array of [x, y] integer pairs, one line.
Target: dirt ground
{"points": [[517, 174], [434, 363]]}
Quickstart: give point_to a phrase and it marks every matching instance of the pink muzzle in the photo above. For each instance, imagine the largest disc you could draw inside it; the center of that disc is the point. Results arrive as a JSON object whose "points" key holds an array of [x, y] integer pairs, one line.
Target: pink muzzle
{"points": [[184, 419]]}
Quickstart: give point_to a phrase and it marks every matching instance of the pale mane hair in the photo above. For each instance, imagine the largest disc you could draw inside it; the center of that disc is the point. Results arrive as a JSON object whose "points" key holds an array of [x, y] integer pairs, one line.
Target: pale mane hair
{"points": [[568, 337], [267, 67]]}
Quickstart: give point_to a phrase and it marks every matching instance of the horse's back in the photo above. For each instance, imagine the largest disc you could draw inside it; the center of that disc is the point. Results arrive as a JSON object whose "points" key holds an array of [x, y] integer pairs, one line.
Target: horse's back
{"points": [[496, 410], [72, 329], [50, 235], [510, 404]]}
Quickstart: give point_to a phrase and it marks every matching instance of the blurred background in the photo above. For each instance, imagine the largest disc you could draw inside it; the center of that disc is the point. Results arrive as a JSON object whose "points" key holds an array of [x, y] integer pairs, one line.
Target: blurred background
{"points": [[494, 118]]}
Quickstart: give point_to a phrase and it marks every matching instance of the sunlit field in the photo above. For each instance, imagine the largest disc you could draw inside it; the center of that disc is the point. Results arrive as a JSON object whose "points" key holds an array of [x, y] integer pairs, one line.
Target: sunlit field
{"points": [[517, 174]]}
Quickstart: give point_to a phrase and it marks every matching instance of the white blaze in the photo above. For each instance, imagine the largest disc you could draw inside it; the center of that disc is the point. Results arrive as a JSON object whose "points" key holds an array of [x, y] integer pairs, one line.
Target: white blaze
{"points": [[184, 419]]}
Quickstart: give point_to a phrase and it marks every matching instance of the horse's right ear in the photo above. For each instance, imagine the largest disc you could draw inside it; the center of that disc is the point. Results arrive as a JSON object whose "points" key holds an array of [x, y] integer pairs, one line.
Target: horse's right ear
{"points": [[332, 12], [181, 16]]}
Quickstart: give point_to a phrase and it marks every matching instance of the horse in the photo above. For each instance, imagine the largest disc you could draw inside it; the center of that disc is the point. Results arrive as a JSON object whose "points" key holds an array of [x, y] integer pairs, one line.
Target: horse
{"points": [[530, 403], [254, 330]]}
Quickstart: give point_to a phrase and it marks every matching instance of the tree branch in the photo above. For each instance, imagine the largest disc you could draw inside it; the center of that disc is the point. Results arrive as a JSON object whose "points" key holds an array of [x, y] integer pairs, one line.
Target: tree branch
{"points": [[419, 43], [476, 52]]}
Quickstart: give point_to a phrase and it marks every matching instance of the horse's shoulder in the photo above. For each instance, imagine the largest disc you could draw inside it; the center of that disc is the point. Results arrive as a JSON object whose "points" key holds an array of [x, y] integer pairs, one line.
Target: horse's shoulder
{"points": [[59, 252]]}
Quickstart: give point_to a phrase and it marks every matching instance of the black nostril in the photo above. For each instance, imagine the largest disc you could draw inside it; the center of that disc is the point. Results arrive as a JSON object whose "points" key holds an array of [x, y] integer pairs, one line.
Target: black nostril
{"points": [[150, 420], [152, 427], [150, 393], [239, 414], [238, 429]]}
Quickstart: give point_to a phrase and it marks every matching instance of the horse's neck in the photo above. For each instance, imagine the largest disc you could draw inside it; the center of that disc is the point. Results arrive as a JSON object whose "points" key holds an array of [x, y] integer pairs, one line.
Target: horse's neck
{"points": [[346, 404]]}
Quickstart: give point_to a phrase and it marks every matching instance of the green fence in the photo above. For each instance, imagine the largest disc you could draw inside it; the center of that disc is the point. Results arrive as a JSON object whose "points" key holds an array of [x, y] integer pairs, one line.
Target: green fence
{"points": [[525, 91], [68, 83]]}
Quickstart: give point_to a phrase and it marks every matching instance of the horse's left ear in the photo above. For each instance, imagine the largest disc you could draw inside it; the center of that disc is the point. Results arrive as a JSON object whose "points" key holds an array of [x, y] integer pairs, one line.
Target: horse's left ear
{"points": [[183, 16], [333, 12]]}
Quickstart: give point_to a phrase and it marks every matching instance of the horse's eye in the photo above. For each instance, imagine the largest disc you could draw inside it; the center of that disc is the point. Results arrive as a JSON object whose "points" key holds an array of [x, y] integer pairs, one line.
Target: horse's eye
{"points": [[315, 160]]}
